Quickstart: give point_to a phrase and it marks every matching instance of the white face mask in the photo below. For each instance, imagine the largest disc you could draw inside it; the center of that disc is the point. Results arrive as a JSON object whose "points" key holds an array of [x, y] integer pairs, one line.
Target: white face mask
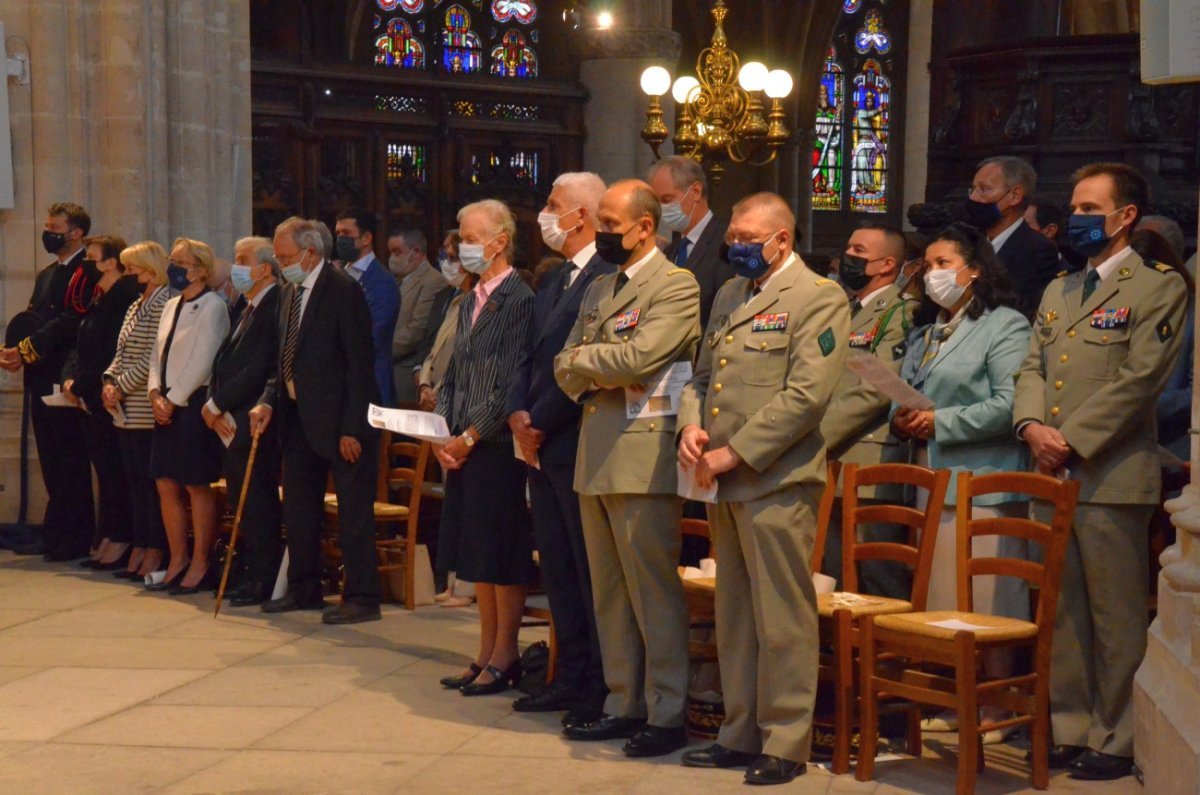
{"points": [[472, 258], [674, 217], [943, 288], [551, 234], [451, 269]]}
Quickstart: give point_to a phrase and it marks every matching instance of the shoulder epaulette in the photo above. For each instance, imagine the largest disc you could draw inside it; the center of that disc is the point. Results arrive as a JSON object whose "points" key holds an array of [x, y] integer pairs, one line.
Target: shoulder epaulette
{"points": [[674, 271], [823, 282], [1161, 267], [1061, 274]]}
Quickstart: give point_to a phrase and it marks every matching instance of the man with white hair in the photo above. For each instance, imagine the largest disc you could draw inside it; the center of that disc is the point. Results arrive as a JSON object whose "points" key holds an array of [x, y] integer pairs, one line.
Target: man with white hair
{"points": [[320, 388], [545, 423]]}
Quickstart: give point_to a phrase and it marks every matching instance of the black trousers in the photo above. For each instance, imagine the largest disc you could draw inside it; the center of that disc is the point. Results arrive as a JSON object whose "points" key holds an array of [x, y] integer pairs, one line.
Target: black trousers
{"points": [[104, 448], [558, 533], [61, 435], [259, 535], [148, 531], [305, 472]]}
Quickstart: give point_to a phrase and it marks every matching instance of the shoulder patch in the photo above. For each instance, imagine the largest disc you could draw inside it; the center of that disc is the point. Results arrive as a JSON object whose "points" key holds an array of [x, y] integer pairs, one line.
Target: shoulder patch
{"points": [[898, 350], [826, 341], [1165, 332]]}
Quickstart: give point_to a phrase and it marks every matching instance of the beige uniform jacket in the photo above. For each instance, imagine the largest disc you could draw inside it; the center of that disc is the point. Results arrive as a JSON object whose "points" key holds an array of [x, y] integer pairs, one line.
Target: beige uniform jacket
{"points": [[766, 371], [417, 291], [433, 370], [619, 341], [856, 425], [1094, 372]]}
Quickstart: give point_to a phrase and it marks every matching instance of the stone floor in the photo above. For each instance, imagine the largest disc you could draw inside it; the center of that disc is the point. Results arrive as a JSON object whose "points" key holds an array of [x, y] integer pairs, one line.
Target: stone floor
{"points": [[106, 688]]}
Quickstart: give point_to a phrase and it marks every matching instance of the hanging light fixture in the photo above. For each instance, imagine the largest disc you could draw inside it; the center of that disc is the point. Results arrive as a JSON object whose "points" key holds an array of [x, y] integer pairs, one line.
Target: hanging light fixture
{"points": [[721, 108]]}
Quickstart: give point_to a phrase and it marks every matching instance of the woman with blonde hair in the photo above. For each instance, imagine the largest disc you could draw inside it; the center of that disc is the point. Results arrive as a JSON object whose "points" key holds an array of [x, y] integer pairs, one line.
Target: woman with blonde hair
{"points": [[186, 455], [124, 395]]}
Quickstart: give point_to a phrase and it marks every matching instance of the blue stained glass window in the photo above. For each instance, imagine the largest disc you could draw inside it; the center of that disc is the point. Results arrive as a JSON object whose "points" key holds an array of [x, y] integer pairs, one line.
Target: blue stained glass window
{"points": [[513, 57], [523, 11], [872, 36], [461, 50], [850, 6], [397, 47], [869, 157], [828, 152]]}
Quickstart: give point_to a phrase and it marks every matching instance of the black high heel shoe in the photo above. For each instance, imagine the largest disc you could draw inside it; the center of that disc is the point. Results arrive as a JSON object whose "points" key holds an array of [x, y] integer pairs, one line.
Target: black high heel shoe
{"points": [[501, 680], [167, 585], [206, 583], [119, 563], [457, 682]]}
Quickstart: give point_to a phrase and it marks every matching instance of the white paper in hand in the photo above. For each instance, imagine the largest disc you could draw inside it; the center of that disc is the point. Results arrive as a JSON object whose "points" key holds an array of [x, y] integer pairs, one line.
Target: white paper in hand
{"points": [[689, 489], [118, 414], [228, 440], [873, 371], [423, 425], [661, 396], [57, 399]]}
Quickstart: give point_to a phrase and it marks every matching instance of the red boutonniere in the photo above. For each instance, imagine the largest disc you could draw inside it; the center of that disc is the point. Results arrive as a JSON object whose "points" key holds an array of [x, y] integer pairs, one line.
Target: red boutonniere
{"points": [[491, 306]]}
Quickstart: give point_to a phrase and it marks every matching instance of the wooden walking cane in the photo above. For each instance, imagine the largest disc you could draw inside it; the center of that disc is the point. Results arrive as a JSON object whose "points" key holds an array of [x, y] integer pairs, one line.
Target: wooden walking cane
{"points": [[237, 523]]}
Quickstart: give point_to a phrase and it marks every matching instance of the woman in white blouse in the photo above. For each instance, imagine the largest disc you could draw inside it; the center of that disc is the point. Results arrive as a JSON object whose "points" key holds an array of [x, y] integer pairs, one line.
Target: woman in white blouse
{"points": [[186, 455]]}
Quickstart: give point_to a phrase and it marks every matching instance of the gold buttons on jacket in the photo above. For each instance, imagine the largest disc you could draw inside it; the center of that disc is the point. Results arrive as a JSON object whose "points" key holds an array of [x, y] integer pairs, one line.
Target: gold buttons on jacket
{"points": [[717, 387], [1104, 338], [591, 409], [715, 411], [652, 426], [604, 338], [722, 363], [1054, 411], [625, 338], [1063, 358], [1058, 384], [729, 338], [1071, 333]]}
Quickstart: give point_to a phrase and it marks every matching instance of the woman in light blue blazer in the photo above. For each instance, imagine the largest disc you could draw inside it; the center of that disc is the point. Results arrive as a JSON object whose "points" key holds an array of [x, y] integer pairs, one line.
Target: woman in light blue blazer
{"points": [[965, 363]]}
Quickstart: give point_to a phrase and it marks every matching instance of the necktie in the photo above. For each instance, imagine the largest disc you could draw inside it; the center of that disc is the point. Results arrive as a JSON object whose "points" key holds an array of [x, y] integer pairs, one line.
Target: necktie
{"points": [[293, 335], [622, 280], [244, 323], [681, 253], [1089, 283], [855, 305], [569, 275]]}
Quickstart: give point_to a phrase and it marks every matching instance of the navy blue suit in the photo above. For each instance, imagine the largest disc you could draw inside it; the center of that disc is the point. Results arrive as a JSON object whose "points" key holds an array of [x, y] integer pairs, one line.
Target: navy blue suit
{"points": [[557, 527], [383, 301]]}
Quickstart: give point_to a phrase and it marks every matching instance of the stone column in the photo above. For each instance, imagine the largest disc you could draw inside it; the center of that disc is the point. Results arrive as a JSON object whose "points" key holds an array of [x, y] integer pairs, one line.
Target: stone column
{"points": [[611, 68], [139, 111], [916, 112]]}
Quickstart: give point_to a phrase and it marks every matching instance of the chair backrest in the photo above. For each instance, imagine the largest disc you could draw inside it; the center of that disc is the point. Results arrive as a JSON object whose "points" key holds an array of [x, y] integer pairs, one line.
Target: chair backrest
{"points": [[1047, 575], [833, 470], [697, 528], [917, 554], [407, 464]]}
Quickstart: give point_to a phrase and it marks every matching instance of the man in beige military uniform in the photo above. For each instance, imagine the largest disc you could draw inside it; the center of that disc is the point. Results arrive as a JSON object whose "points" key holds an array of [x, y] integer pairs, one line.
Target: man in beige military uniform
{"points": [[1105, 341], [632, 325], [855, 427], [750, 418]]}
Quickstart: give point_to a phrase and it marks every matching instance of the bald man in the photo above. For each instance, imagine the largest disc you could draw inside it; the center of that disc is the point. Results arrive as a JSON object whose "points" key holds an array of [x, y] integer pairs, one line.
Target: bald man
{"points": [[632, 325]]}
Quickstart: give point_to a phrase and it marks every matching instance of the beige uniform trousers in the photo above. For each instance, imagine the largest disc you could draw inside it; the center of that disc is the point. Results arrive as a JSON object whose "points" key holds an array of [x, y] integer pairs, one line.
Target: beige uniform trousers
{"points": [[766, 612], [633, 544]]}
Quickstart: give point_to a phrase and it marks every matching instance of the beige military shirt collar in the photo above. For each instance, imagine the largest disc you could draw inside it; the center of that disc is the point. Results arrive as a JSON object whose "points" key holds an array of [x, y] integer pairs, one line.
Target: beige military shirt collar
{"points": [[1109, 265], [631, 270], [787, 263]]}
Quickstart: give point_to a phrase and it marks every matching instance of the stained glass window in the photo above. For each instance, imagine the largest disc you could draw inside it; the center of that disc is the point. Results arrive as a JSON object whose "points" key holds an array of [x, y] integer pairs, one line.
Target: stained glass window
{"points": [[868, 163], [519, 167], [397, 47], [850, 154], [827, 142], [461, 50], [523, 11], [405, 163], [513, 57], [411, 6]]}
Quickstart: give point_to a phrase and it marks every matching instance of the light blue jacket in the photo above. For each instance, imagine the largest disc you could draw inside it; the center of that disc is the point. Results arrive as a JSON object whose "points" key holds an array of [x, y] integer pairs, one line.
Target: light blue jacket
{"points": [[971, 384]]}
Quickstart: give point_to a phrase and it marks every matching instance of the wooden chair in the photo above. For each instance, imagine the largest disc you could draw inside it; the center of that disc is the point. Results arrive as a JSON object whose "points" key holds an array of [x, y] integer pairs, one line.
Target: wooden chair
{"points": [[938, 665], [699, 596], [833, 470], [839, 614]]}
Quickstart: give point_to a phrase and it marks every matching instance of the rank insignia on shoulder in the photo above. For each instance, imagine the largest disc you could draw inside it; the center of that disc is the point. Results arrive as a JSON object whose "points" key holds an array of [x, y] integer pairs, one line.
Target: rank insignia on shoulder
{"points": [[898, 350], [1164, 330], [1110, 318], [677, 271], [775, 322], [827, 342], [1061, 274], [1162, 267], [823, 282], [627, 320]]}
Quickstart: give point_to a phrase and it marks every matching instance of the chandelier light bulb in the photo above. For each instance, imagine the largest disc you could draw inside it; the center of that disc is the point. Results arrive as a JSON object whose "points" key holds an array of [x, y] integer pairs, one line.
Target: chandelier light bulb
{"points": [[655, 81], [604, 20], [778, 84], [753, 76], [684, 89]]}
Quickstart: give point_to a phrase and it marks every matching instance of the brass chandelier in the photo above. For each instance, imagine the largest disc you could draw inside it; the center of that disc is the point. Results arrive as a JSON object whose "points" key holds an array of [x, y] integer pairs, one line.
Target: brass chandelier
{"points": [[721, 109]]}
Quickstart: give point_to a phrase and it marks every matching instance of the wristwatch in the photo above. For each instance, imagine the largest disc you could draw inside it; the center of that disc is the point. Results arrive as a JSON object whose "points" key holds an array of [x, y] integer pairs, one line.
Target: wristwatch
{"points": [[467, 440]]}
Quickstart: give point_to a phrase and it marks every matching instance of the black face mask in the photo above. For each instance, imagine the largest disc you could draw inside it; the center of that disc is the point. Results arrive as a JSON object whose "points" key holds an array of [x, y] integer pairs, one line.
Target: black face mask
{"points": [[852, 272], [53, 242], [611, 247], [981, 215], [345, 250]]}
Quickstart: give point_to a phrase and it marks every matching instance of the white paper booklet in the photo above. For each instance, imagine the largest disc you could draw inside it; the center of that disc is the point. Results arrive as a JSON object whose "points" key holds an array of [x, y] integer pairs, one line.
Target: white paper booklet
{"points": [[423, 425], [661, 396], [873, 371]]}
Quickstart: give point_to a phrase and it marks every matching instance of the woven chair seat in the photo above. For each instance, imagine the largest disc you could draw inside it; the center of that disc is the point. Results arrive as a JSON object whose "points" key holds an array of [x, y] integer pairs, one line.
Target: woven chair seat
{"points": [[997, 628], [382, 510], [859, 604]]}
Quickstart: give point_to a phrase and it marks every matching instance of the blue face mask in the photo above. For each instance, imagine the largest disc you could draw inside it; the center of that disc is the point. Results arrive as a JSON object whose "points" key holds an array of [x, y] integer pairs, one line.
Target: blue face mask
{"points": [[294, 273], [1086, 233], [747, 259], [241, 278], [177, 276]]}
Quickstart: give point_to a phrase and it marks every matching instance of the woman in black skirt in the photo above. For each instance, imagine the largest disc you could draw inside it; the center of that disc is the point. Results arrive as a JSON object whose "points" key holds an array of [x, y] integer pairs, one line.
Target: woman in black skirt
{"points": [[82, 384], [185, 454], [485, 506]]}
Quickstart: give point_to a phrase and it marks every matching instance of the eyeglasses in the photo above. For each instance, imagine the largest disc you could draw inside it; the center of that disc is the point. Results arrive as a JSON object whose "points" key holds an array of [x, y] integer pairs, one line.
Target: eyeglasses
{"points": [[732, 240]]}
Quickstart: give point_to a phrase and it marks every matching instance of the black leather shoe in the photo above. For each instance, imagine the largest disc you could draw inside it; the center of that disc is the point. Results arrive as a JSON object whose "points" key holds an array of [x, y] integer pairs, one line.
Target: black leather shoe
{"points": [[581, 715], [656, 741], [1059, 756], [1095, 766], [501, 680], [251, 593], [717, 756], [606, 727], [32, 547], [552, 699], [350, 613], [769, 769], [287, 603], [456, 682]]}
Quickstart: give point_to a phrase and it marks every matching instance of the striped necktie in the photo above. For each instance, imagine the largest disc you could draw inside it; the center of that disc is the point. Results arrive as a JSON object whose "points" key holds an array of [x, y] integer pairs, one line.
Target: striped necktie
{"points": [[293, 335]]}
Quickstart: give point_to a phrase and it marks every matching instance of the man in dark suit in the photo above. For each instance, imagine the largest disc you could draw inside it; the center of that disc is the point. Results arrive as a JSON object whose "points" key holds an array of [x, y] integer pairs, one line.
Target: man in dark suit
{"points": [[321, 388], [999, 195], [355, 248], [545, 423], [682, 188], [244, 363], [62, 293]]}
